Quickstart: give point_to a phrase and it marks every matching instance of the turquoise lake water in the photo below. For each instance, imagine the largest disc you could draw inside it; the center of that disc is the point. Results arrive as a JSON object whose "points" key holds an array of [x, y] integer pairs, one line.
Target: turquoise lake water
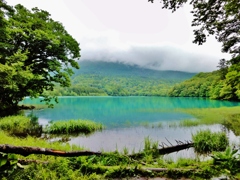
{"points": [[128, 120], [122, 111]]}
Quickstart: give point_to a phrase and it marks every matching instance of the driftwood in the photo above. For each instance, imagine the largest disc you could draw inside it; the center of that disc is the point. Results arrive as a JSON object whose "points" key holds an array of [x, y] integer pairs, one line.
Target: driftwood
{"points": [[25, 151]]}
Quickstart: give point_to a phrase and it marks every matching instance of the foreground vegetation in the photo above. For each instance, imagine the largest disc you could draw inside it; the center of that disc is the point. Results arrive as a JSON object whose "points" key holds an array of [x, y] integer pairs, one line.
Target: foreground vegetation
{"points": [[107, 166], [147, 163]]}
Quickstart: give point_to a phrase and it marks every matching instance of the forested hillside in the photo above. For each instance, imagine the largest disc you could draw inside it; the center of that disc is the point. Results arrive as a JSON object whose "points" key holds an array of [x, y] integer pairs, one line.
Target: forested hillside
{"points": [[212, 85], [198, 86], [118, 79]]}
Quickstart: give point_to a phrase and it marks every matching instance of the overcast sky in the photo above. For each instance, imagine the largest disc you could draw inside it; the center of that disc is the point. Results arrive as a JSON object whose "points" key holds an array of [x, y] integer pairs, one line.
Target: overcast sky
{"points": [[132, 31]]}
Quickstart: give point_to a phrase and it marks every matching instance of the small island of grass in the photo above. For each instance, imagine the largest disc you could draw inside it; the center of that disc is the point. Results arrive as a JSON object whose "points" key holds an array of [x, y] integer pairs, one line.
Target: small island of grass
{"points": [[73, 127]]}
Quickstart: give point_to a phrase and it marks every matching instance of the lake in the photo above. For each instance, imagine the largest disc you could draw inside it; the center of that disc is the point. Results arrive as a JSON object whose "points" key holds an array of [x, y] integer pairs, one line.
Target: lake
{"points": [[128, 120]]}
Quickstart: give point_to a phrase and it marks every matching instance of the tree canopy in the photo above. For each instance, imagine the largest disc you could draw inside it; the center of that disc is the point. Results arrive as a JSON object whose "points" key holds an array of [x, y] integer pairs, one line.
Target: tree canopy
{"points": [[220, 18], [36, 53]]}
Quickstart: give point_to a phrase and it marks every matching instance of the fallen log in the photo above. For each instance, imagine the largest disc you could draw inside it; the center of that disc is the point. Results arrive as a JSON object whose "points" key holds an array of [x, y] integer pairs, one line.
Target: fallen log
{"points": [[176, 148], [25, 151]]}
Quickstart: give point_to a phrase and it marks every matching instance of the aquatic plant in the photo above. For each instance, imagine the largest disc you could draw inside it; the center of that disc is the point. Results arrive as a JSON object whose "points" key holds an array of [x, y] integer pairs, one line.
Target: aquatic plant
{"points": [[206, 141], [173, 124], [73, 126]]}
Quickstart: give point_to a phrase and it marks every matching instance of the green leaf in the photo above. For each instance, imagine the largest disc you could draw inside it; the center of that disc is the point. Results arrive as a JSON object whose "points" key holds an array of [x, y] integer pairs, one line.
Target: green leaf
{"points": [[3, 161]]}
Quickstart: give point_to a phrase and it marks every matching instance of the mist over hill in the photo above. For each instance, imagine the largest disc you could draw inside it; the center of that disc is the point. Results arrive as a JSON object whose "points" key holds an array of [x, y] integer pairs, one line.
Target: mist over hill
{"points": [[125, 70]]}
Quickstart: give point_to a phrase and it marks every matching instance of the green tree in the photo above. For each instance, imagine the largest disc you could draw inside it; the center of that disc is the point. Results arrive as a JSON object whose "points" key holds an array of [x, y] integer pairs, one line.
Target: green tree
{"points": [[40, 54], [220, 18]]}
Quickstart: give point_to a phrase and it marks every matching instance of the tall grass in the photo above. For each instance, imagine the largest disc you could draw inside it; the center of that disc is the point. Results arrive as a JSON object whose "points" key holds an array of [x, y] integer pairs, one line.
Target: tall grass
{"points": [[206, 141], [73, 126]]}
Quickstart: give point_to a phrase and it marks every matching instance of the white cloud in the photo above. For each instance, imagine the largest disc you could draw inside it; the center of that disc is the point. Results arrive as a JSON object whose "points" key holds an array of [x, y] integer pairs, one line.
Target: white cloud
{"points": [[135, 32], [156, 57]]}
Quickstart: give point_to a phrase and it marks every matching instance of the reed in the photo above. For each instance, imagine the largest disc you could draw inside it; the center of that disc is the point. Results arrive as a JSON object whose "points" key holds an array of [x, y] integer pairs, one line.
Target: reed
{"points": [[173, 124], [73, 127]]}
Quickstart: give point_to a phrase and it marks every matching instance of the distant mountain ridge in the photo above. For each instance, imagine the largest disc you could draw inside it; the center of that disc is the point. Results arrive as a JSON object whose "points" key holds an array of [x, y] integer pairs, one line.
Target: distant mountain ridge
{"points": [[98, 78], [125, 70]]}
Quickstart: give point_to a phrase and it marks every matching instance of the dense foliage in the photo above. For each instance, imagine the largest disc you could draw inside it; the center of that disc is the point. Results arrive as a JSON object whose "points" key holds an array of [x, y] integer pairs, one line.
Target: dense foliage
{"points": [[36, 52], [220, 18]]}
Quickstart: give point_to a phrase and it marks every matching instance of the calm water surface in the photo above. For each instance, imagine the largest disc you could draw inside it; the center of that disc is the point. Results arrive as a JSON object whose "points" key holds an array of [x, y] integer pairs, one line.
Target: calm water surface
{"points": [[128, 120]]}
